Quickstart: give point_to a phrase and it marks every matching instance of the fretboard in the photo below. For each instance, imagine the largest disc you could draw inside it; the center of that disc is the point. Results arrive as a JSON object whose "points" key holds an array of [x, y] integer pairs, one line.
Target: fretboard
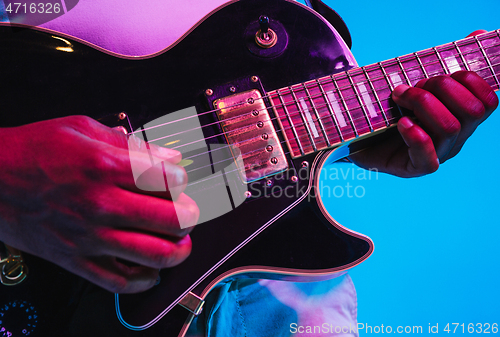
{"points": [[328, 111]]}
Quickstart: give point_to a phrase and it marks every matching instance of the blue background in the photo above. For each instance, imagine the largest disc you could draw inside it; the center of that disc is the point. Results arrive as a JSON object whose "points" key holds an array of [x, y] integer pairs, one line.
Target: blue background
{"points": [[436, 237]]}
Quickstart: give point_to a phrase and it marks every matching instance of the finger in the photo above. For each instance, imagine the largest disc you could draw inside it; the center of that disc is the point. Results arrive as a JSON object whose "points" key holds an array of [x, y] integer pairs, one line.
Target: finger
{"points": [[458, 99], [476, 85], [145, 249], [109, 163], [421, 151], [436, 119], [148, 213], [92, 129], [479, 88], [468, 97], [114, 276]]}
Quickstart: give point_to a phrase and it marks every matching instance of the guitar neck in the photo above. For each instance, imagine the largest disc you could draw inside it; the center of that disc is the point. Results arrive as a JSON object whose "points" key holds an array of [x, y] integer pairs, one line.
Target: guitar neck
{"points": [[328, 111]]}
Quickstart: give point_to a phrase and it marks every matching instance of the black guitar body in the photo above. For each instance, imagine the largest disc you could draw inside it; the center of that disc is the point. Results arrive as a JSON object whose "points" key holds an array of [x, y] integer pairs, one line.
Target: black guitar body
{"points": [[265, 237]]}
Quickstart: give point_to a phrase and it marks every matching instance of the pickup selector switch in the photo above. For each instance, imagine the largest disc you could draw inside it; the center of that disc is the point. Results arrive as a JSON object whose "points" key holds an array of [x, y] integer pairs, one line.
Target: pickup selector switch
{"points": [[265, 37]]}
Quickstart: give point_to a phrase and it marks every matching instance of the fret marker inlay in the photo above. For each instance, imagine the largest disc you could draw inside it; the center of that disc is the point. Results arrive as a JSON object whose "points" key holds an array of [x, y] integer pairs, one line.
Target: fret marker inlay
{"points": [[336, 109], [368, 101], [452, 64], [396, 79], [309, 119]]}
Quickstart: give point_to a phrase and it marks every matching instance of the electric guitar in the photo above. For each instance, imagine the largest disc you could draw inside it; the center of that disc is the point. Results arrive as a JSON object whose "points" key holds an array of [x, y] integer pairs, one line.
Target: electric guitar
{"points": [[253, 153]]}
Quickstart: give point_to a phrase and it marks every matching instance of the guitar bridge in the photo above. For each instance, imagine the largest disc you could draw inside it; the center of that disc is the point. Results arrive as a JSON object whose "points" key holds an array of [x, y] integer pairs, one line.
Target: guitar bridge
{"points": [[249, 130]]}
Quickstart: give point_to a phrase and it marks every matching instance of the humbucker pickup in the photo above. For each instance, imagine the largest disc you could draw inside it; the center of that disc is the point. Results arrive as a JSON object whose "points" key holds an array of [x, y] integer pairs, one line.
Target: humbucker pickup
{"points": [[249, 131]]}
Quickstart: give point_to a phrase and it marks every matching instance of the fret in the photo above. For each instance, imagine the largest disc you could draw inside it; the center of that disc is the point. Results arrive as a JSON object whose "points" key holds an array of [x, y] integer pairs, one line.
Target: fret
{"points": [[450, 59], [413, 68], [333, 109], [398, 60], [354, 108], [316, 113], [421, 65], [308, 112], [431, 62], [471, 54], [340, 109], [393, 71], [289, 125], [377, 98], [386, 76], [487, 60], [390, 85], [356, 134], [443, 66], [328, 109], [369, 98], [305, 116], [334, 102], [461, 56], [362, 92]]}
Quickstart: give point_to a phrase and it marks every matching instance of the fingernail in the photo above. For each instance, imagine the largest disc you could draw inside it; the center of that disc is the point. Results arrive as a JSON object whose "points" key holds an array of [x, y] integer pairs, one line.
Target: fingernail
{"points": [[121, 129], [405, 123], [399, 90]]}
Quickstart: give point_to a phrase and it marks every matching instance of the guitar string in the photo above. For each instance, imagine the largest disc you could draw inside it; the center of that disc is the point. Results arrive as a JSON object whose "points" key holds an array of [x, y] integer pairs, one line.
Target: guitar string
{"points": [[216, 175], [368, 80]]}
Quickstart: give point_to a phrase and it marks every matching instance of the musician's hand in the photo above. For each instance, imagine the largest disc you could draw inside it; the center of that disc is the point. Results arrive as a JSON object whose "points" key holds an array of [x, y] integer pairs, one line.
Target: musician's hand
{"points": [[448, 110], [67, 194]]}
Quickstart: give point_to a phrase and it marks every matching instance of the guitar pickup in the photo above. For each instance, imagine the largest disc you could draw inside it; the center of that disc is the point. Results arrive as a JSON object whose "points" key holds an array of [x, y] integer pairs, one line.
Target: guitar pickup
{"points": [[249, 130]]}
